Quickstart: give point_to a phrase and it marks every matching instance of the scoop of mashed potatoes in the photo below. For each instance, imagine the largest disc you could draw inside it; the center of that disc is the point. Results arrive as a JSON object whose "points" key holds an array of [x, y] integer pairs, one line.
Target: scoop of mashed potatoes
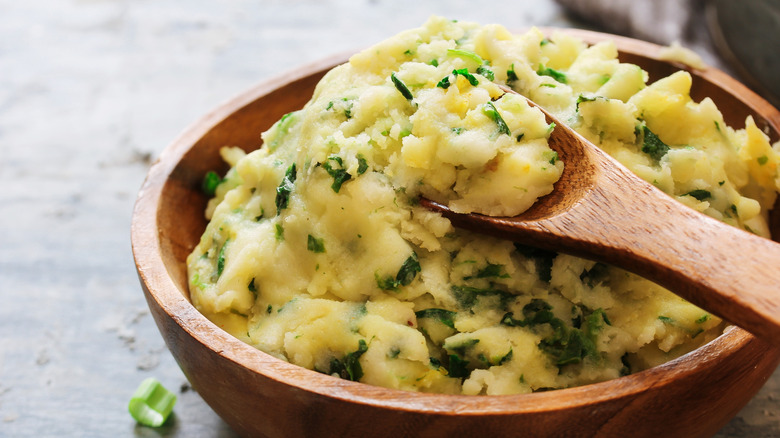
{"points": [[317, 252]]}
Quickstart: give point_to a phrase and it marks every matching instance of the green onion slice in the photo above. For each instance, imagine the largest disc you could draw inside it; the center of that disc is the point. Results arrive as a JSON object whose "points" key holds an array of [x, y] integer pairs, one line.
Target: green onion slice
{"points": [[151, 403]]}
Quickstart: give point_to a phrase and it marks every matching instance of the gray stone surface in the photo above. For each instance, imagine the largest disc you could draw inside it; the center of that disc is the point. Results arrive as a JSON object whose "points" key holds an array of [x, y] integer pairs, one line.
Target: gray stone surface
{"points": [[91, 91]]}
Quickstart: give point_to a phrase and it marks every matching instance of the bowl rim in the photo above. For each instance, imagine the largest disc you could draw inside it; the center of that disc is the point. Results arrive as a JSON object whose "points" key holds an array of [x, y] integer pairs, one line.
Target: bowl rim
{"points": [[160, 287]]}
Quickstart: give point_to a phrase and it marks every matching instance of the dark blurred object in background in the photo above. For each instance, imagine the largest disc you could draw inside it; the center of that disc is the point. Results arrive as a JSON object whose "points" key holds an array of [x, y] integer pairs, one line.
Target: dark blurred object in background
{"points": [[747, 34], [741, 35]]}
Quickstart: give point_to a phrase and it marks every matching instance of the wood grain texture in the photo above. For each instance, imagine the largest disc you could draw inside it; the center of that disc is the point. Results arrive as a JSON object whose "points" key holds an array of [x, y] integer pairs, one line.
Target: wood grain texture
{"points": [[259, 395]]}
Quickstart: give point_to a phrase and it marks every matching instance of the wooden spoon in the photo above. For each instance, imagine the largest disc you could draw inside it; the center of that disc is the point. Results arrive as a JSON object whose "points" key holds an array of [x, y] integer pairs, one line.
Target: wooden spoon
{"points": [[602, 211]]}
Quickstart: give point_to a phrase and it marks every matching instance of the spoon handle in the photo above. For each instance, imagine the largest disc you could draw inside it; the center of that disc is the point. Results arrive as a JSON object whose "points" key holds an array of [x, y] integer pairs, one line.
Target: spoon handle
{"points": [[624, 221]]}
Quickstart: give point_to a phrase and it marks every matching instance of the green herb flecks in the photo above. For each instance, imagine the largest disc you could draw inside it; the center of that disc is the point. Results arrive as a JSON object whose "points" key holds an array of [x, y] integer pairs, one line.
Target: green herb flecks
{"points": [[349, 367], [401, 87], [582, 98], [466, 54], [444, 316], [315, 245], [445, 81], [279, 232], [404, 277], [285, 188], [490, 110], [699, 194], [543, 258], [334, 165], [221, 258], [282, 128], [762, 160], [210, 182], [252, 287], [567, 345], [511, 76], [467, 296], [486, 72], [408, 270], [553, 73], [666, 320], [465, 73], [362, 165], [652, 145], [458, 368]]}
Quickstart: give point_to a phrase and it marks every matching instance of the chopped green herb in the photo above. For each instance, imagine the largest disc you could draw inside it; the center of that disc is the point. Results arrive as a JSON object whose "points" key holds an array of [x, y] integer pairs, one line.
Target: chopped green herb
{"points": [[339, 174], [520, 136], [151, 403], [252, 287], [604, 79], [434, 62], [551, 72], [504, 359], [486, 72], [210, 182], [582, 98], [544, 42], [408, 270], [720, 183], [283, 127], [762, 160], [279, 232], [548, 85], [466, 54], [221, 258], [511, 76], [699, 194], [467, 296], [406, 274], [401, 87], [315, 245], [444, 82], [734, 208], [457, 131], [465, 73], [702, 319], [490, 110], [567, 345], [362, 165], [446, 317], [349, 368], [543, 258], [393, 353], [652, 145], [285, 188], [458, 367], [553, 157], [666, 320], [717, 125]]}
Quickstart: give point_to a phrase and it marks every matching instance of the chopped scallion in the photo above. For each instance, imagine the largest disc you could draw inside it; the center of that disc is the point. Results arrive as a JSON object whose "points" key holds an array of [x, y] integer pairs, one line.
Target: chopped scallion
{"points": [[401, 87], [151, 404]]}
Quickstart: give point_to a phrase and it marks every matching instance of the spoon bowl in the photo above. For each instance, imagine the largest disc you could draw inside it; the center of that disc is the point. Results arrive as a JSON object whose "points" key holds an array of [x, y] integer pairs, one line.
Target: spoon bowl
{"points": [[602, 211]]}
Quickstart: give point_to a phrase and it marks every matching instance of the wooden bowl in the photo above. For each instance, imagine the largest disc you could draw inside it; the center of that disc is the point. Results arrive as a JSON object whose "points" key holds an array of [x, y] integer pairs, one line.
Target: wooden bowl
{"points": [[259, 395]]}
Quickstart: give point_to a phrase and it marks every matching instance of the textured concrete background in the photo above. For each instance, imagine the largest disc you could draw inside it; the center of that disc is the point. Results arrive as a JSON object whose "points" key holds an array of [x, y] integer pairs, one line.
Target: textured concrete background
{"points": [[91, 91]]}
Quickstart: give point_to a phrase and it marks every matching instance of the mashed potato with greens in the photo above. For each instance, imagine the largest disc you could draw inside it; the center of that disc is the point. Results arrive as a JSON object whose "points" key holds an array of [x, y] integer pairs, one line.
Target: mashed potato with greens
{"points": [[318, 253]]}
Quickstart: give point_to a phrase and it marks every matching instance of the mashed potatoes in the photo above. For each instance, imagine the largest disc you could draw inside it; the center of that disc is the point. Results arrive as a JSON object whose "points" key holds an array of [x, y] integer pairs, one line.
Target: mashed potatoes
{"points": [[317, 252]]}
